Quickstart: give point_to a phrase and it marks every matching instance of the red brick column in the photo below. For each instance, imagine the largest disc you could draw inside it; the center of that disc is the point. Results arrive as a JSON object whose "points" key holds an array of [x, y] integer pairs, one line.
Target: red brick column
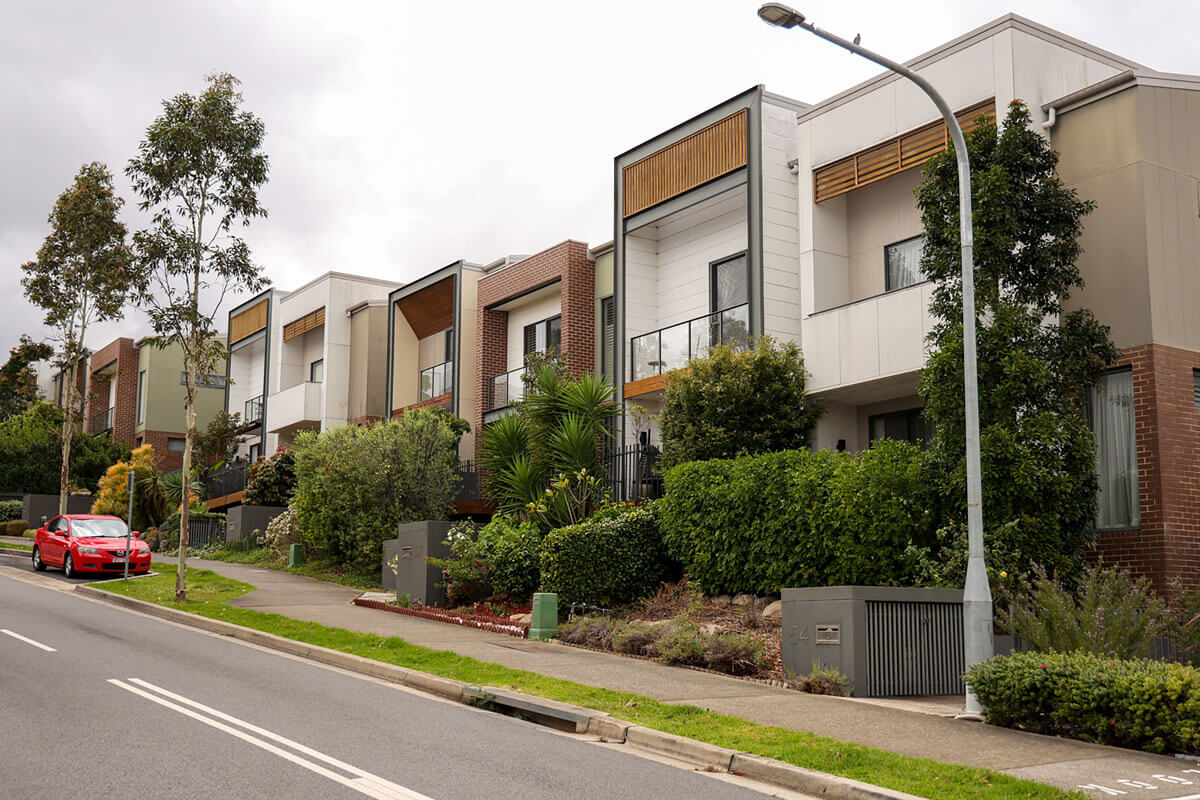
{"points": [[1167, 545]]}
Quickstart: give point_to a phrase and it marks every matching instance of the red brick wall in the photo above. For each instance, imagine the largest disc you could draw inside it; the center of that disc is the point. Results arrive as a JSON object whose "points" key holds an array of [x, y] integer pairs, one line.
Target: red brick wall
{"points": [[569, 264], [125, 353], [1167, 546], [163, 459], [442, 400]]}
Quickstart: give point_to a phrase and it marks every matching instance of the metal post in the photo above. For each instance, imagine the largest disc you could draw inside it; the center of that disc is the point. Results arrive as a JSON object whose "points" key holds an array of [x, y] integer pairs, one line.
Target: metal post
{"points": [[977, 594], [129, 520]]}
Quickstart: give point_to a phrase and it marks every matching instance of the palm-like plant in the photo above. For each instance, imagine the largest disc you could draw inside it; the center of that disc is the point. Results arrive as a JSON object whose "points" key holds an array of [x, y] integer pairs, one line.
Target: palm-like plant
{"points": [[553, 434]]}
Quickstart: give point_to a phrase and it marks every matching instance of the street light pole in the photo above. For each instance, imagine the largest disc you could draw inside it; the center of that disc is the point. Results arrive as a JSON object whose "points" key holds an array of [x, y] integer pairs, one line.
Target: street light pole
{"points": [[977, 594]]}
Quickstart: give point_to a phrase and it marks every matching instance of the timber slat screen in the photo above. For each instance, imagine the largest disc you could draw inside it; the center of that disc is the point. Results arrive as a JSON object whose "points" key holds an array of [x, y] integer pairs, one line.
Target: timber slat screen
{"points": [[706, 154], [248, 322], [895, 155], [308, 322]]}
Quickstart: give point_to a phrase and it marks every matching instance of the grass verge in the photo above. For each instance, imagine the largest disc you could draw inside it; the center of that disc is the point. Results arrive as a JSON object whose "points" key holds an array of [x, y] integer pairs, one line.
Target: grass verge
{"points": [[208, 594], [327, 571], [15, 546]]}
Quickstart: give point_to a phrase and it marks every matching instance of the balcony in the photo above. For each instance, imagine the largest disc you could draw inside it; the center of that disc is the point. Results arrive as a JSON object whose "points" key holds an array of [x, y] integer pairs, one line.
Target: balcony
{"points": [[102, 422], [296, 408], [656, 353], [253, 414], [436, 381], [506, 389]]}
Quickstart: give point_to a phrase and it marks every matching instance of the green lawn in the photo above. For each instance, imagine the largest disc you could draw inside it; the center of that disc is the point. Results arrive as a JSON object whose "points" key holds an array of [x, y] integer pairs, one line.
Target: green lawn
{"points": [[14, 546], [326, 571], [208, 594]]}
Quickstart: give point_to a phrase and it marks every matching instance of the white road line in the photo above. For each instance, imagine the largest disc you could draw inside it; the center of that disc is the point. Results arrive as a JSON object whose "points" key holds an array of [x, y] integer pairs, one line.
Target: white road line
{"points": [[364, 782], [27, 640]]}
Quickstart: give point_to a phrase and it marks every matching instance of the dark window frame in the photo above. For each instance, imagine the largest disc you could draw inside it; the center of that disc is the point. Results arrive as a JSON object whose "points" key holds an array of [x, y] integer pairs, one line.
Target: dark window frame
{"points": [[1091, 421], [917, 431], [713, 266], [608, 355], [311, 368], [545, 324], [887, 278]]}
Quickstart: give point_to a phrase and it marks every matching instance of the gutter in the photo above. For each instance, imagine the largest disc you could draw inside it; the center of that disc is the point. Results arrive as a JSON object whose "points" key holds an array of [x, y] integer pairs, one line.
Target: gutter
{"points": [[1117, 83]]}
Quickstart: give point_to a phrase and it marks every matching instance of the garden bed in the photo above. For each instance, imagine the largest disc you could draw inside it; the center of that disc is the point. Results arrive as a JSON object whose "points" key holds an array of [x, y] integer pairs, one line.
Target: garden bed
{"points": [[483, 619]]}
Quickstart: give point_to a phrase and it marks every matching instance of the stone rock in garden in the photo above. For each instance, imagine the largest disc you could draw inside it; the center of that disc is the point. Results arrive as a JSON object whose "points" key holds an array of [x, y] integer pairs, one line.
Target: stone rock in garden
{"points": [[711, 629], [521, 619], [656, 623], [743, 599], [774, 610], [721, 600]]}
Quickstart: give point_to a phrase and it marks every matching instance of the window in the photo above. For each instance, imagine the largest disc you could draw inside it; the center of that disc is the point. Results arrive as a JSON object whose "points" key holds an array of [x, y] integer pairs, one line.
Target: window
{"points": [[906, 426], [204, 381], [729, 281], [255, 452], [450, 344], [1196, 387], [316, 370], [544, 335], [608, 338], [1112, 415], [902, 263], [175, 444], [141, 398]]}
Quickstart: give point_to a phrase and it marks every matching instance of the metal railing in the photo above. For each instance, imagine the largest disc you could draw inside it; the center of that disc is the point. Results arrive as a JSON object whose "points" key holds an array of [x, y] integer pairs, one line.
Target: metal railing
{"points": [[253, 411], [506, 389], [468, 487], [671, 348], [633, 473], [205, 531], [102, 422], [437, 380], [230, 479]]}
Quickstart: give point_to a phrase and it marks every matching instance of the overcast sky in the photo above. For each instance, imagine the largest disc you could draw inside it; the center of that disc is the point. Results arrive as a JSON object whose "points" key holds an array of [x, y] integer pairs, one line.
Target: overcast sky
{"points": [[405, 135]]}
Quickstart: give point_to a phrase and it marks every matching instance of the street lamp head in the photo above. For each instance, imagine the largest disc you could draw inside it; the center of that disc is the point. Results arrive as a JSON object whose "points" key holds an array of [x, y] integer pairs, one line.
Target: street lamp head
{"points": [[781, 15]]}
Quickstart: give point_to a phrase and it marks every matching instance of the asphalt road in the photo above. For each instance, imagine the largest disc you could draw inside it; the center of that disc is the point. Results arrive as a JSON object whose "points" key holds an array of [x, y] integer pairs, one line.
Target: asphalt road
{"points": [[99, 702]]}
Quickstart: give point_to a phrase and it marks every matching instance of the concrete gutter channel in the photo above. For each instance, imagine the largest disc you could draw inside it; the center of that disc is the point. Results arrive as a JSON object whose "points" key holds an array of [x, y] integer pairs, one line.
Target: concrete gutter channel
{"points": [[562, 716]]}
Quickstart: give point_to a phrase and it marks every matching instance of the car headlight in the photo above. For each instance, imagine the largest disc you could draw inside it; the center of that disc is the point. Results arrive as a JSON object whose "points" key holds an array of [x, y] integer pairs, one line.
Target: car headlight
{"points": [[91, 551]]}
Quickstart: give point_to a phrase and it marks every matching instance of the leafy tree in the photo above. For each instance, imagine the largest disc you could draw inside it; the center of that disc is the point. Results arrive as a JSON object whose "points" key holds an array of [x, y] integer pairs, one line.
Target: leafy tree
{"points": [[272, 481], [544, 458], [355, 484], [219, 442], [198, 171], [18, 381], [736, 403], [30, 453], [1037, 362], [83, 274], [149, 507]]}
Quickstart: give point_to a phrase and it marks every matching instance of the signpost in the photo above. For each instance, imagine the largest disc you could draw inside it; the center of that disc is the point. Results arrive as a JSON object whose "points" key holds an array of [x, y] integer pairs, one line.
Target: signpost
{"points": [[129, 522]]}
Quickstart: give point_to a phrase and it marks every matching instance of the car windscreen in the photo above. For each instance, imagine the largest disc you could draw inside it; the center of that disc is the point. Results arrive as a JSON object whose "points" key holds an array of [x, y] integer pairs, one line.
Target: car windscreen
{"points": [[110, 528]]}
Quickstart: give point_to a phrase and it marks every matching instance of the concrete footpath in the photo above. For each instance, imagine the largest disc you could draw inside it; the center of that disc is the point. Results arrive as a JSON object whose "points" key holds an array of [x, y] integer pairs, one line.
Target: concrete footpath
{"points": [[920, 728]]}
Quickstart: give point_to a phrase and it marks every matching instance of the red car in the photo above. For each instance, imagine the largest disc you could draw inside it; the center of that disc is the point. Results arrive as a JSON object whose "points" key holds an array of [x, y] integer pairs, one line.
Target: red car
{"points": [[89, 543]]}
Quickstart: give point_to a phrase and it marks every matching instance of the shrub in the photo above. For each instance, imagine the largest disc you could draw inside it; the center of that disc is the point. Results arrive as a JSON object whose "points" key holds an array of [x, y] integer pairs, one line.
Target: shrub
{"points": [[272, 482], [503, 556], [635, 638], [737, 403], [16, 527], [677, 642], [797, 518], [282, 533], [31, 452], [1111, 614], [594, 632], [618, 559], [355, 485], [149, 507], [10, 510], [1142, 704], [1185, 622]]}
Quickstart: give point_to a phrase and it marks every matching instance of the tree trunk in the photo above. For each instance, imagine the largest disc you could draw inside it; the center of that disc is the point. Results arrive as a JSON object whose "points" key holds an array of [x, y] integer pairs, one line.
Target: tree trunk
{"points": [[189, 416], [68, 432]]}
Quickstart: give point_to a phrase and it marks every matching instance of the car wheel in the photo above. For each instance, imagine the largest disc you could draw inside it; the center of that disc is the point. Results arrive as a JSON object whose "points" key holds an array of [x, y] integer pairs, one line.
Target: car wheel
{"points": [[68, 567], [38, 564]]}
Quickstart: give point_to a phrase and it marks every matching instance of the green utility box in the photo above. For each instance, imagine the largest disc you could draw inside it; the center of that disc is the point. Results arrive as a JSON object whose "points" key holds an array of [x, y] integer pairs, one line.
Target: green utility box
{"points": [[295, 555], [544, 622]]}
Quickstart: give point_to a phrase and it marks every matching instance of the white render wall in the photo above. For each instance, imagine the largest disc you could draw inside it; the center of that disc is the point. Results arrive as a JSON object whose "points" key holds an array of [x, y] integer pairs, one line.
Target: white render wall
{"points": [[781, 248], [538, 309]]}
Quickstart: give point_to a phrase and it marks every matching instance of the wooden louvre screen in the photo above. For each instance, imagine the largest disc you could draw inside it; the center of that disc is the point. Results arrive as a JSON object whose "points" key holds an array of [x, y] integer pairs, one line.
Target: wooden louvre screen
{"points": [[896, 155], [707, 154], [248, 322], [308, 322]]}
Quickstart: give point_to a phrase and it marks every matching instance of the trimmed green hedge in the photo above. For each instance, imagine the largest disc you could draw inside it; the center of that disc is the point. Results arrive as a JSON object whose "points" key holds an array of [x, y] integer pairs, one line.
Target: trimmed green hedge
{"points": [[1143, 704], [11, 510], [798, 518], [16, 527], [616, 559]]}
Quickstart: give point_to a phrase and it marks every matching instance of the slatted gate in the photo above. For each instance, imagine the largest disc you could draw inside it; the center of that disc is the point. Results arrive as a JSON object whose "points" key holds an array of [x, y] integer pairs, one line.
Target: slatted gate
{"points": [[913, 648]]}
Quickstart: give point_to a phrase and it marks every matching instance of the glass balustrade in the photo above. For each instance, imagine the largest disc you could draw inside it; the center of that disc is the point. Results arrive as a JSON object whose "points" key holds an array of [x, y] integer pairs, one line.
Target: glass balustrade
{"points": [[437, 380], [671, 348], [506, 389]]}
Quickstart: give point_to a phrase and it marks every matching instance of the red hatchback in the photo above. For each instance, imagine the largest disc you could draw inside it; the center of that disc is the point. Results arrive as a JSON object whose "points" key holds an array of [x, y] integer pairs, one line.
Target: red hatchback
{"points": [[89, 543]]}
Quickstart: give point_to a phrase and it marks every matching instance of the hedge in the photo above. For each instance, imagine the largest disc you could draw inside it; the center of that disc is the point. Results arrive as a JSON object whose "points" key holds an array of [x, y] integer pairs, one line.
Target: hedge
{"points": [[606, 560], [798, 518], [1143, 704], [16, 527], [10, 510]]}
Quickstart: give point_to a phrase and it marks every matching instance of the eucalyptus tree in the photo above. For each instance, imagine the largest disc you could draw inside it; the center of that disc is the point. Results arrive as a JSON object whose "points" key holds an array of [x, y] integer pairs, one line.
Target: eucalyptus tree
{"points": [[82, 275], [198, 171]]}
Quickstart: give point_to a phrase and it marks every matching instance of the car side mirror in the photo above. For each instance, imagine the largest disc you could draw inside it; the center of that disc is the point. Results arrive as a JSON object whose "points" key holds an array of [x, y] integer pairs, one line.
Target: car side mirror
{"points": [[137, 534]]}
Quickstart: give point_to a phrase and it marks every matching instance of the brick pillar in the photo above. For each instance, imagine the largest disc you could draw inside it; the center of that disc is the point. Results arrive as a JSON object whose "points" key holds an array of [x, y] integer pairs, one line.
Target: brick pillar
{"points": [[491, 359], [578, 309]]}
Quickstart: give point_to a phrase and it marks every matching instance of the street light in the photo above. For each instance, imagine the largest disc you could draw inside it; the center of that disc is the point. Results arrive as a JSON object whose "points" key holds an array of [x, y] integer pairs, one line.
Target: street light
{"points": [[977, 595]]}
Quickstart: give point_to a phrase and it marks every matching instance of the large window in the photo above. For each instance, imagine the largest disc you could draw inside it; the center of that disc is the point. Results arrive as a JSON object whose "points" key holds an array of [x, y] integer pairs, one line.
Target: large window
{"points": [[608, 338], [907, 426], [141, 398], [730, 283], [176, 444], [1116, 452], [902, 263], [543, 336]]}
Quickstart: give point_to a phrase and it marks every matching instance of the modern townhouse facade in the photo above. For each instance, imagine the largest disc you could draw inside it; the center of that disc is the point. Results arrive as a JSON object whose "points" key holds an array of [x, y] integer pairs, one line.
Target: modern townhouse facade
{"points": [[717, 240], [431, 345], [704, 248], [248, 370], [532, 304]]}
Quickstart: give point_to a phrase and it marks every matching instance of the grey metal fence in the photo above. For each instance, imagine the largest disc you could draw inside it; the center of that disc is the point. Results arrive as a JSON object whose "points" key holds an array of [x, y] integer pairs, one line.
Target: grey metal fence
{"points": [[913, 649], [206, 531], [633, 473]]}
